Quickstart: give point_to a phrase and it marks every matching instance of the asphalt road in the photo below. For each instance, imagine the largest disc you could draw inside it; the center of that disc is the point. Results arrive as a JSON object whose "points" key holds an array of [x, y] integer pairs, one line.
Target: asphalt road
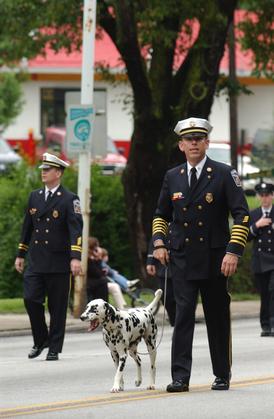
{"points": [[79, 383]]}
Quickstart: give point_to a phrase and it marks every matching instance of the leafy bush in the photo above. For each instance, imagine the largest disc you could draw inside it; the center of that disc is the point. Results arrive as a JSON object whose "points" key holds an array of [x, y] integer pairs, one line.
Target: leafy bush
{"points": [[108, 220], [13, 199], [243, 281]]}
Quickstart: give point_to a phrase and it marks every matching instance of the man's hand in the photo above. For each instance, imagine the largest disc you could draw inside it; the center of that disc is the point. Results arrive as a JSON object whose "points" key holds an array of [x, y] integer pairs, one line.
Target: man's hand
{"points": [[263, 222], [75, 267], [151, 270], [229, 264], [19, 264], [161, 255]]}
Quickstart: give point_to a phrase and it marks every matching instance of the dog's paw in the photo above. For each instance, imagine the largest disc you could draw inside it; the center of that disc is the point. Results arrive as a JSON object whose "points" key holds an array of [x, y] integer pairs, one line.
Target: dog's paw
{"points": [[151, 387], [116, 389], [138, 383]]}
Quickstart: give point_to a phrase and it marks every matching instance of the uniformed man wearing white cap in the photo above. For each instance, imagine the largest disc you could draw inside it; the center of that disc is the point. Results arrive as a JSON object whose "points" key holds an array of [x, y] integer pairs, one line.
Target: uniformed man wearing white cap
{"points": [[52, 238], [262, 234], [192, 212]]}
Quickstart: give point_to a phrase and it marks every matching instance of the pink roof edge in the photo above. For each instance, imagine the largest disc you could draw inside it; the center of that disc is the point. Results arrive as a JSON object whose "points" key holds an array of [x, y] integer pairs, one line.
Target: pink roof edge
{"points": [[107, 54]]}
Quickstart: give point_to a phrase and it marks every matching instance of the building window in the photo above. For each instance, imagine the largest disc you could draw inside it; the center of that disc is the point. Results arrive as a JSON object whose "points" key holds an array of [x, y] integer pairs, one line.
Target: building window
{"points": [[53, 107]]}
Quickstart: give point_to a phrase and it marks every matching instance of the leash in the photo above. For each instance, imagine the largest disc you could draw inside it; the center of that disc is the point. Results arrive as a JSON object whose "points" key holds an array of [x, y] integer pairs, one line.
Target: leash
{"points": [[163, 318]]}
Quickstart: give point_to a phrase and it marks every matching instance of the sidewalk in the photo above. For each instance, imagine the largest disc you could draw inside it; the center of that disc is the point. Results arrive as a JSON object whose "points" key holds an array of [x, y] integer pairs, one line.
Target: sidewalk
{"points": [[18, 324]]}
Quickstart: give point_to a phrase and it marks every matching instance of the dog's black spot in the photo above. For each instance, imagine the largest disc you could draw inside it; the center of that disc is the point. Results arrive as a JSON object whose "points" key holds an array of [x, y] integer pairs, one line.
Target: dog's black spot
{"points": [[110, 312], [122, 361]]}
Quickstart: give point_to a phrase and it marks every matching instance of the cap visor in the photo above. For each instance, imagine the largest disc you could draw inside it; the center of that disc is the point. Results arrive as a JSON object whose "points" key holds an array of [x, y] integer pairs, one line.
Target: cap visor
{"points": [[45, 166], [194, 134]]}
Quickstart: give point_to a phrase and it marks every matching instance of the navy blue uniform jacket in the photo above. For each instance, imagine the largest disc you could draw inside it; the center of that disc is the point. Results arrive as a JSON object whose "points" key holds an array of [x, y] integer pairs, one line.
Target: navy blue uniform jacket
{"points": [[200, 234], [263, 247], [52, 231]]}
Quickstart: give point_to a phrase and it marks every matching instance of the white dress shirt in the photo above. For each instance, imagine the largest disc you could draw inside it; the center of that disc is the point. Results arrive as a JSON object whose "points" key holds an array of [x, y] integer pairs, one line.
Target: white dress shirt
{"points": [[47, 190], [199, 169]]}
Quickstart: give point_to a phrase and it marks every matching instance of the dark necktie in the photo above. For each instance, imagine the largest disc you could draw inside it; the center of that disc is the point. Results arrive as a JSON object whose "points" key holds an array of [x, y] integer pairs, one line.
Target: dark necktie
{"points": [[49, 196], [193, 177], [266, 214]]}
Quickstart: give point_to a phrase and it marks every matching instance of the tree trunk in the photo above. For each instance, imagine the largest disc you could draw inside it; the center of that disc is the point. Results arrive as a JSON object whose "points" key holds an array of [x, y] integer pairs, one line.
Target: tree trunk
{"points": [[161, 98]]}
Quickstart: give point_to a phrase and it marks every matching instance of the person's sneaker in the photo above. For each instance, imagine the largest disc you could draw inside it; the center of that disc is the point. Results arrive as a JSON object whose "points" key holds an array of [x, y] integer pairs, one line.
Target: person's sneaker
{"points": [[132, 283]]}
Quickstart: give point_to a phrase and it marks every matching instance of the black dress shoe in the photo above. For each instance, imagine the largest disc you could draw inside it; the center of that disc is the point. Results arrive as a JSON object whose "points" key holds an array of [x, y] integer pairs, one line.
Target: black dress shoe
{"points": [[36, 350], [265, 332], [177, 386], [52, 356], [220, 384]]}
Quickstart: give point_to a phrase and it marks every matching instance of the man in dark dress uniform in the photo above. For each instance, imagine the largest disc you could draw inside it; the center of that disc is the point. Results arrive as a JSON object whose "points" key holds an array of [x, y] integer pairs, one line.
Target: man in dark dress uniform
{"points": [[262, 234], [197, 198], [52, 237]]}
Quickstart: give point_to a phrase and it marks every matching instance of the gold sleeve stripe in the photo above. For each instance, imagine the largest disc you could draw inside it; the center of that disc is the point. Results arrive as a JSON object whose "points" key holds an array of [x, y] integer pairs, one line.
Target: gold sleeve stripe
{"points": [[159, 230], [241, 239], [23, 246], [244, 228], [239, 234], [159, 226], [76, 248], [242, 243]]}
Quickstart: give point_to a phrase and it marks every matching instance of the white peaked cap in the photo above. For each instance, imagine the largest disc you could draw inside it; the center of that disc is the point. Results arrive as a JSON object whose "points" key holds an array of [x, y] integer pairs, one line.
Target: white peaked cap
{"points": [[49, 161], [192, 125]]}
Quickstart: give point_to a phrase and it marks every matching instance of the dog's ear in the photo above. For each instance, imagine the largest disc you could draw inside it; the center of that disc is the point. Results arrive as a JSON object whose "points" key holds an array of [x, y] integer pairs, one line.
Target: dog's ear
{"points": [[110, 312]]}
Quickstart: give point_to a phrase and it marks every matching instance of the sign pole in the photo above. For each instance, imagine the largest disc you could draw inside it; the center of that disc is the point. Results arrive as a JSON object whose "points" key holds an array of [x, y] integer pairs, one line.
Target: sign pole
{"points": [[84, 176]]}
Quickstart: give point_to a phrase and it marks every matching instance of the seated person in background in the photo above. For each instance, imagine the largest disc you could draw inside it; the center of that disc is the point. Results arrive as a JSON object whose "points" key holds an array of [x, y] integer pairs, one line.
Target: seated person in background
{"points": [[156, 269], [124, 283], [97, 282], [113, 288]]}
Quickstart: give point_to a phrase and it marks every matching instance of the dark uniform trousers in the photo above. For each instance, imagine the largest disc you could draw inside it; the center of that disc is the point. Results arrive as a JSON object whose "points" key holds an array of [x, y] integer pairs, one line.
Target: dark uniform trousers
{"points": [[56, 287], [263, 265], [195, 223], [216, 306], [51, 237]]}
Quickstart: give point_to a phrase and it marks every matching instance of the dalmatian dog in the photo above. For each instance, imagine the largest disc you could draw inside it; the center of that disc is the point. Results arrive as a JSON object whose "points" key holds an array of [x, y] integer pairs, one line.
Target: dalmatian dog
{"points": [[122, 332]]}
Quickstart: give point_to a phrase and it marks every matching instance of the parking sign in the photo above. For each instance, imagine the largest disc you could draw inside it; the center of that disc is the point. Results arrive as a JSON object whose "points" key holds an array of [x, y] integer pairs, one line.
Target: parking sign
{"points": [[79, 128]]}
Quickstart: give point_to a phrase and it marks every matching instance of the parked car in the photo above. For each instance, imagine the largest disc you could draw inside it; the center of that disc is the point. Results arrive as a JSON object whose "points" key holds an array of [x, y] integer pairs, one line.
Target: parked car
{"points": [[221, 152], [8, 157], [55, 137], [114, 162]]}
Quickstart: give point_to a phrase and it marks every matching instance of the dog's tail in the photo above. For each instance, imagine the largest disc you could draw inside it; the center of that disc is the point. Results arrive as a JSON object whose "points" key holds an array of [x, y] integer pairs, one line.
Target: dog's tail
{"points": [[152, 306]]}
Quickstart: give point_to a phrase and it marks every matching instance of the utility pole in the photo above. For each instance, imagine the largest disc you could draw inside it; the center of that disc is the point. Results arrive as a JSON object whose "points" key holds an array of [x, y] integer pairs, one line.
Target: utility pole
{"points": [[87, 83], [233, 102]]}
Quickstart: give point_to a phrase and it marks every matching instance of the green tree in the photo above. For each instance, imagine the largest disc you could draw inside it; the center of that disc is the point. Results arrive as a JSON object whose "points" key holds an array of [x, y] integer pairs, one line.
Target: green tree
{"points": [[164, 87], [10, 98], [258, 35]]}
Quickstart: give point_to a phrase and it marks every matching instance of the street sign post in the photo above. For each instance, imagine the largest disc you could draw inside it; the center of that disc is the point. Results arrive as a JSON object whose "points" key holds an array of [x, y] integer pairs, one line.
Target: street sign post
{"points": [[87, 83]]}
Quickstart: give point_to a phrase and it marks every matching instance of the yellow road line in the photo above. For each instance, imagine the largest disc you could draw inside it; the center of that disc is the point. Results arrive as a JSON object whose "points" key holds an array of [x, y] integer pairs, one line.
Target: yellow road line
{"points": [[122, 397]]}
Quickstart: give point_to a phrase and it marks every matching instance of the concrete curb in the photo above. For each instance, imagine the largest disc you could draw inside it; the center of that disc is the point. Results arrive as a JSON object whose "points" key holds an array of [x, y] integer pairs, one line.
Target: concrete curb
{"points": [[18, 324]]}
